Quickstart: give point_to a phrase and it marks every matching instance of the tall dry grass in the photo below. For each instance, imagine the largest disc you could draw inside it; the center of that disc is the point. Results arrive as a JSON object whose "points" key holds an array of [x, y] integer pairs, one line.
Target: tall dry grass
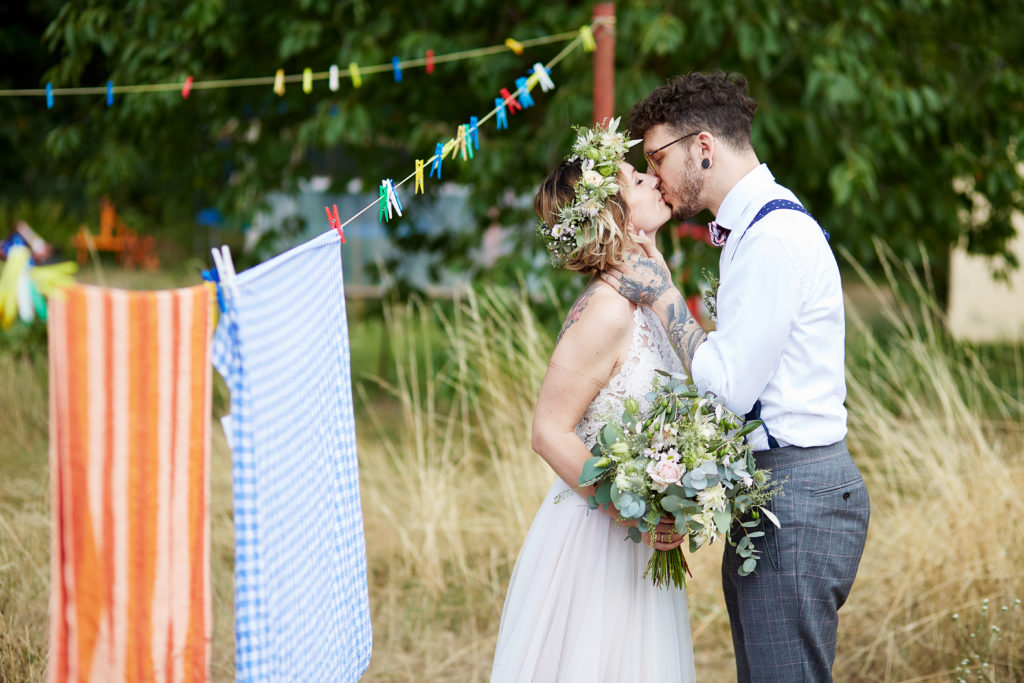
{"points": [[450, 486], [938, 441], [941, 446], [449, 483]]}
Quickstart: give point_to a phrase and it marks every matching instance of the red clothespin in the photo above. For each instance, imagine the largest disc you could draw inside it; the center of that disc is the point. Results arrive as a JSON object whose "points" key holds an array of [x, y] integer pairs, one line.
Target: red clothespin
{"points": [[430, 61], [510, 101], [186, 89], [335, 221]]}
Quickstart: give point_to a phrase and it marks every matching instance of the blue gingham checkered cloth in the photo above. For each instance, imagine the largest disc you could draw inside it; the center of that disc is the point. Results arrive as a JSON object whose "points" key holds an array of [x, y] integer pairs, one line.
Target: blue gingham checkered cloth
{"points": [[301, 604]]}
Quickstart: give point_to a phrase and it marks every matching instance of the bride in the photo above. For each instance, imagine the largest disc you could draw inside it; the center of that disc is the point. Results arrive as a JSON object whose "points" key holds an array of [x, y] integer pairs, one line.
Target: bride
{"points": [[577, 608]]}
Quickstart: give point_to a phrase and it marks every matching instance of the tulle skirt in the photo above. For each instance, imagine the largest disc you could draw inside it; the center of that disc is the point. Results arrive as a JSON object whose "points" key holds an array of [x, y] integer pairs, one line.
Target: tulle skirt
{"points": [[577, 608]]}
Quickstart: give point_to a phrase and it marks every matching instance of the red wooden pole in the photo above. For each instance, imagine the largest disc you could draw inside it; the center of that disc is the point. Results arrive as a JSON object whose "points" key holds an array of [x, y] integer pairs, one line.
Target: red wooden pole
{"points": [[604, 62]]}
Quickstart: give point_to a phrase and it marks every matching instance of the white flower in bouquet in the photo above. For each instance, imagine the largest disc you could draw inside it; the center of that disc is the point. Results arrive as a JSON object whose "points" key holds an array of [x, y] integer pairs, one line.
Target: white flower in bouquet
{"points": [[708, 531], [556, 230], [712, 498], [632, 476]]}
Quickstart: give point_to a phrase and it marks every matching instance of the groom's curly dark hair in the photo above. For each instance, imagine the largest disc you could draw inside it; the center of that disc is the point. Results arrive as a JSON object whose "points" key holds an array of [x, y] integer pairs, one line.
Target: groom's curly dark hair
{"points": [[716, 102]]}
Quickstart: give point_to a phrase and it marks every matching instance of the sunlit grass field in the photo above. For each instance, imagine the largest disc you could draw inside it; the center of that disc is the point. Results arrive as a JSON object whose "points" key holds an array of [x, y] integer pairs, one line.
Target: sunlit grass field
{"points": [[450, 486]]}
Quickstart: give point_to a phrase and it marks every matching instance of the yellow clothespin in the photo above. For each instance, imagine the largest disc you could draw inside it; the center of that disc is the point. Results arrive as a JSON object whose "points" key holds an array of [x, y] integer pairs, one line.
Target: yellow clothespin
{"points": [[449, 146], [353, 71], [460, 143], [514, 45], [418, 189], [588, 39], [307, 80], [279, 82]]}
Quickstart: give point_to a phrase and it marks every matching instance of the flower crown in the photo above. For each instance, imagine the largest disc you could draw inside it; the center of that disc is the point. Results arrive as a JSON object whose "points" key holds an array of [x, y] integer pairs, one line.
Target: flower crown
{"points": [[601, 150]]}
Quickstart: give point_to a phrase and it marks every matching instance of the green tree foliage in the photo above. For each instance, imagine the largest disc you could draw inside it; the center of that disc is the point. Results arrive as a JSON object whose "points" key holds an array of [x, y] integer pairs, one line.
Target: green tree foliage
{"points": [[886, 118]]}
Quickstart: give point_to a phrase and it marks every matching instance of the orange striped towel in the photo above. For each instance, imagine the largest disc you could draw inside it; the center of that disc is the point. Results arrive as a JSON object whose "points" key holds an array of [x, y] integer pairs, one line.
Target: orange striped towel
{"points": [[130, 386]]}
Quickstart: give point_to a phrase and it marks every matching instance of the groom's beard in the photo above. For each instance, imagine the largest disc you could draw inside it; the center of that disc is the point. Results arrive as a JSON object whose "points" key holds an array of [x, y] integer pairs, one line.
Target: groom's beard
{"points": [[686, 192]]}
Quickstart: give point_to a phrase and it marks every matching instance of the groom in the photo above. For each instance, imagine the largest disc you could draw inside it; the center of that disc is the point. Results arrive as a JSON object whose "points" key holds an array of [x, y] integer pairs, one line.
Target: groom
{"points": [[776, 356]]}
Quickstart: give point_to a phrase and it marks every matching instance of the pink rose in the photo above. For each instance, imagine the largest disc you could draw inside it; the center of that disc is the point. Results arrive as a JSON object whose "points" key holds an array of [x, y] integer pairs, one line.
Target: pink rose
{"points": [[664, 473]]}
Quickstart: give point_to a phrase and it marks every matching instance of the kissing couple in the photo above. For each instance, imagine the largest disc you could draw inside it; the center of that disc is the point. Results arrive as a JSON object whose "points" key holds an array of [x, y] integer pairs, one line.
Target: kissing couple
{"points": [[577, 608]]}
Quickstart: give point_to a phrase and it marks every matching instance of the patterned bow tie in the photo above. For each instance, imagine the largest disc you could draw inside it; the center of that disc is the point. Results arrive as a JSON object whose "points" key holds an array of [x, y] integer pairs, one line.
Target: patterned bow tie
{"points": [[718, 234]]}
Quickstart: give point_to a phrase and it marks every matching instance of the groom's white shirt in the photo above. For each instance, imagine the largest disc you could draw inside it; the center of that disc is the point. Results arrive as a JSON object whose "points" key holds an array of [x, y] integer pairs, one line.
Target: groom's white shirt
{"points": [[781, 328]]}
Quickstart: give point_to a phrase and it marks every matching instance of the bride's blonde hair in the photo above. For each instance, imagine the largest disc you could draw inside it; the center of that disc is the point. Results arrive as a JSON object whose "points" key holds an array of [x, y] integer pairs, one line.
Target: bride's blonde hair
{"points": [[608, 246]]}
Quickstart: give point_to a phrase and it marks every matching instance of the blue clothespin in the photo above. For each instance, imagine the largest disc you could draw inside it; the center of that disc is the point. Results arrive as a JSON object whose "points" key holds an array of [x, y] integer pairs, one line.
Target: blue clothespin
{"points": [[213, 275], [49, 95], [474, 131], [436, 166], [524, 93], [502, 117], [396, 66], [110, 93]]}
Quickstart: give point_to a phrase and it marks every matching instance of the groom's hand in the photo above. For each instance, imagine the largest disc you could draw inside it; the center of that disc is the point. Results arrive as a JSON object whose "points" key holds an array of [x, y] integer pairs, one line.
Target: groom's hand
{"points": [[641, 278]]}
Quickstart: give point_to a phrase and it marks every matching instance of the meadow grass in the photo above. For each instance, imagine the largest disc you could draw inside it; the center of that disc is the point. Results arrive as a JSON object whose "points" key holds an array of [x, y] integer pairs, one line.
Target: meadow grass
{"points": [[450, 485]]}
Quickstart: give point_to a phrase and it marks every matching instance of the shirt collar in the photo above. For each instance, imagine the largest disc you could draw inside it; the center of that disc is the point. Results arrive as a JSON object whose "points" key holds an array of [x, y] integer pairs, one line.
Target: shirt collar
{"points": [[741, 195]]}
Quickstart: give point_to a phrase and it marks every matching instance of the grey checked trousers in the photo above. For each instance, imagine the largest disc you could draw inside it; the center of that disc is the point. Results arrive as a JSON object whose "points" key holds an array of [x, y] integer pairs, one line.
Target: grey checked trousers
{"points": [[784, 617]]}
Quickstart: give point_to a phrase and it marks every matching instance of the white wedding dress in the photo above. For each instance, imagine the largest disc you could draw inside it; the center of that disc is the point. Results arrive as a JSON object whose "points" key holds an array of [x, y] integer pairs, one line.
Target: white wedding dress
{"points": [[577, 608]]}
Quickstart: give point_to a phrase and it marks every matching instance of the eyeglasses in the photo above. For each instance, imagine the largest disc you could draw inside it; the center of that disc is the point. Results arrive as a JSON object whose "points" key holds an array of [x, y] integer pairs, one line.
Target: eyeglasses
{"points": [[649, 156]]}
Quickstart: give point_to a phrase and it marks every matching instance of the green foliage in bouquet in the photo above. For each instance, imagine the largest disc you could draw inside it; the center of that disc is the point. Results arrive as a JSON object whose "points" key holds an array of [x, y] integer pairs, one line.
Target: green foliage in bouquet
{"points": [[683, 458]]}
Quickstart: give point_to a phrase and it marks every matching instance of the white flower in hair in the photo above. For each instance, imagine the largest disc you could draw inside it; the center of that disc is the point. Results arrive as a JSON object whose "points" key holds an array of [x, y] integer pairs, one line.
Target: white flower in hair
{"points": [[600, 151]]}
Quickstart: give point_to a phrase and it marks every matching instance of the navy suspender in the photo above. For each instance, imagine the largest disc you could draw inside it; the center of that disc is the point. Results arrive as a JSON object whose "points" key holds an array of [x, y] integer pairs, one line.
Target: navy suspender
{"points": [[773, 205]]}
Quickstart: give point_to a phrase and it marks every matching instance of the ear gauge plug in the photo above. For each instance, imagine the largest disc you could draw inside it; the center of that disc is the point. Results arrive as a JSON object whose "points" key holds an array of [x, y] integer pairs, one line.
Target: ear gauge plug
{"points": [[706, 163]]}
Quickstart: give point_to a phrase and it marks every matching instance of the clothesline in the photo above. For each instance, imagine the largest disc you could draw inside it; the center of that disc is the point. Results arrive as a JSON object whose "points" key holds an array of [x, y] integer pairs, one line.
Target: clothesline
{"points": [[510, 44], [577, 40]]}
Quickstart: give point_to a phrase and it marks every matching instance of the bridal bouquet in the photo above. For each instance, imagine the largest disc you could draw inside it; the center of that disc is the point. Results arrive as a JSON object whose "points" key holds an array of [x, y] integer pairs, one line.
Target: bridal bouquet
{"points": [[684, 458]]}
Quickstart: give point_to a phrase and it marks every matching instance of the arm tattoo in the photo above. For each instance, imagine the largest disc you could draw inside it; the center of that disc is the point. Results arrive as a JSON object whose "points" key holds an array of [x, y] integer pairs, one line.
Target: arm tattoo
{"points": [[645, 284], [684, 332], [577, 309]]}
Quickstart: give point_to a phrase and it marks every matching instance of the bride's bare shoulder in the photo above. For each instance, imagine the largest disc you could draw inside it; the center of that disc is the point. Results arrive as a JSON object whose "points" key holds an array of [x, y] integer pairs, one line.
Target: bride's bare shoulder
{"points": [[598, 308]]}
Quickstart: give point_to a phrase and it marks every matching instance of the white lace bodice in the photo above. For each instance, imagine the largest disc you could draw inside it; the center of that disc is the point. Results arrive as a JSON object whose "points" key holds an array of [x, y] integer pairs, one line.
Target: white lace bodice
{"points": [[649, 350]]}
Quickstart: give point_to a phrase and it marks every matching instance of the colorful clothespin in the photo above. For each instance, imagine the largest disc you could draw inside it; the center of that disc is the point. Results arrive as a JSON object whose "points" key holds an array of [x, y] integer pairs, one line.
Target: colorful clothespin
{"points": [[332, 78], [523, 88], [450, 146], [514, 45], [213, 275], [279, 82], [464, 143], [438, 157], [393, 201], [430, 61], [511, 101], [502, 119], [307, 80], [588, 39], [110, 93], [544, 76], [186, 89], [474, 131], [396, 68], [418, 187], [382, 203], [49, 95], [353, 71], [335, 221]]}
